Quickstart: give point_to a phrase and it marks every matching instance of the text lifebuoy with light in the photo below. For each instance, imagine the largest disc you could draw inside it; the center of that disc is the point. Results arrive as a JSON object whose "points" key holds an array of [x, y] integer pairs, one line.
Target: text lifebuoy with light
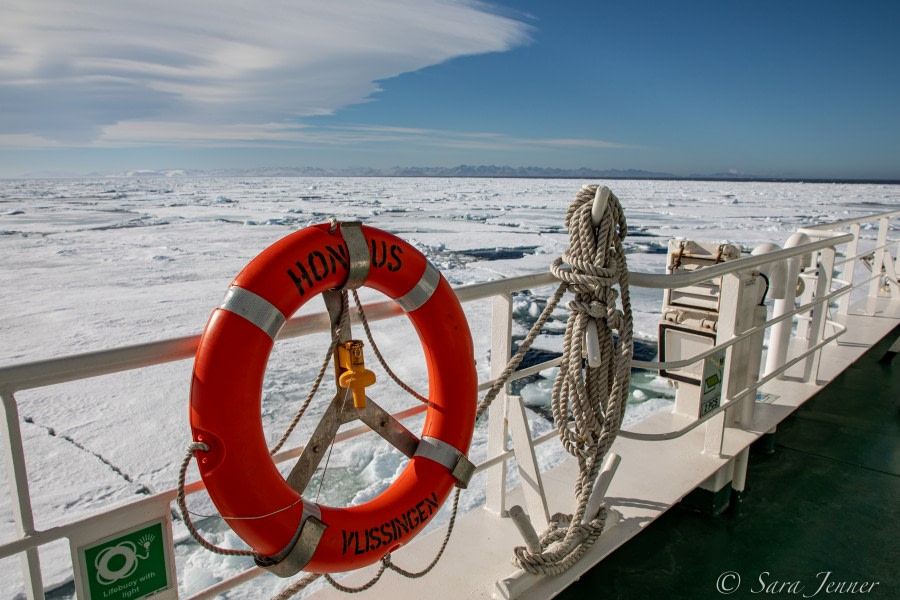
{"points": [[226, 392]]}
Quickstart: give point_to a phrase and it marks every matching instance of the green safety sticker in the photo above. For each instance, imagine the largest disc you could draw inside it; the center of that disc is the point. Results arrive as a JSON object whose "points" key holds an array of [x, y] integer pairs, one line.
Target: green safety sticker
{"points": [[129, 566], [711, 392]]}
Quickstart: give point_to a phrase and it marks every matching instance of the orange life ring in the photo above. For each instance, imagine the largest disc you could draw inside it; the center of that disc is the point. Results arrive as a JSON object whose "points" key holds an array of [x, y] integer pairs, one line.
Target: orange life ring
{"points": [[226, 393]]}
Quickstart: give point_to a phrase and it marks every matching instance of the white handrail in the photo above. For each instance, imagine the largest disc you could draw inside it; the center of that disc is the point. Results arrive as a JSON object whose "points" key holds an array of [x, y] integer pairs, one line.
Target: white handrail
{"points": [[855, 221], [683, 279], [35, 374]]}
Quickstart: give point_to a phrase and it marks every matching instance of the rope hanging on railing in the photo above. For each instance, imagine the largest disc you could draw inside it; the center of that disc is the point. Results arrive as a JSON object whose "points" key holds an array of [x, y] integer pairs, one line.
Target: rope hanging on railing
{"points": [[594, 397]]}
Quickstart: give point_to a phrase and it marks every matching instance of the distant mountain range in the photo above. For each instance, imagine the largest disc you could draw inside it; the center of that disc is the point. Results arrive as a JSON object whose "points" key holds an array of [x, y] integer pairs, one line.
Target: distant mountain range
{"points": [[458, 171]]}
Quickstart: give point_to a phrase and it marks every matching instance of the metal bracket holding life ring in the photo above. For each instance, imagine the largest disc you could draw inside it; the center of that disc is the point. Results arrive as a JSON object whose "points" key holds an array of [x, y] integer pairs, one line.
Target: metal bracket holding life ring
{"points": [[288, 532]]}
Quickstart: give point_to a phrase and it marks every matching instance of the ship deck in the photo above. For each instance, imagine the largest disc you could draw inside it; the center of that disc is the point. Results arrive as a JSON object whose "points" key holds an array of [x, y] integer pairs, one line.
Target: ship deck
{"points": [[821, 507]]}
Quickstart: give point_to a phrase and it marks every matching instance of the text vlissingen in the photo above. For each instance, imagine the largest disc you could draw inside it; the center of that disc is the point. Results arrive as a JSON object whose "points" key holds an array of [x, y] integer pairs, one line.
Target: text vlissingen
{"points": [[367, 540]]}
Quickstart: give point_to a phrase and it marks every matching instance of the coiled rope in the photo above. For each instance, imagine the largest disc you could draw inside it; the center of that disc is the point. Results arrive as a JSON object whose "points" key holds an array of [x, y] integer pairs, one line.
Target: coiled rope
{"points": [[593, 397]]}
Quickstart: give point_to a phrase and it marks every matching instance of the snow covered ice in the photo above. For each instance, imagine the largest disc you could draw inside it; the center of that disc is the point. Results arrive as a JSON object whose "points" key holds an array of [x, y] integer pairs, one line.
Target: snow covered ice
{"points": [[94, 264]]}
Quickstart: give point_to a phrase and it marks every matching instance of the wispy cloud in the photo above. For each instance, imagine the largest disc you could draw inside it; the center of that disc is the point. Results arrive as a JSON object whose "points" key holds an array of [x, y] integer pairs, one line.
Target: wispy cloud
{"points": [[280, 135], [103, 71]]}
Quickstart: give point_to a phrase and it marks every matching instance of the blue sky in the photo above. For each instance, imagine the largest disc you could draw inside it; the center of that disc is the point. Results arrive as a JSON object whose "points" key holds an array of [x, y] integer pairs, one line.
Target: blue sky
{"points": [[797, 88]]}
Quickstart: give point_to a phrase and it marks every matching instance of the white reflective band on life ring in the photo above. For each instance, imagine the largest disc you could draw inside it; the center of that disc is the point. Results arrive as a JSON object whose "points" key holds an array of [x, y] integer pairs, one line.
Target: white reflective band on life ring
{"points": [[422, 291], [255, 309]]}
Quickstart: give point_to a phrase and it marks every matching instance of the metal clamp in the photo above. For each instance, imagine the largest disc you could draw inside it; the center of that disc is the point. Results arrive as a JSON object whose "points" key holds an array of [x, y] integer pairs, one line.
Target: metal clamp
{"points": [[358, 251], [301, 548], [677, 256], [443, 453]]}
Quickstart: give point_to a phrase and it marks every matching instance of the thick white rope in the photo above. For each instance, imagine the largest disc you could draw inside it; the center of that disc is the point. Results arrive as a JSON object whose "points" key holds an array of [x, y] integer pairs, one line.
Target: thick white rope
{"points": [[594, 398], [185, 514]]}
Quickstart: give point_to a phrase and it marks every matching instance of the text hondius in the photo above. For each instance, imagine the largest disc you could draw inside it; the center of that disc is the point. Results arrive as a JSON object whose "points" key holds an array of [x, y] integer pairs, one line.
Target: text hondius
{"points": [[318, 265]]}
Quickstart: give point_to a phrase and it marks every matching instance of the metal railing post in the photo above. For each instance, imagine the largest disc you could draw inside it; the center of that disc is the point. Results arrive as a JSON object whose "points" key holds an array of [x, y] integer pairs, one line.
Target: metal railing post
{"points": [[880, 249], [806, 296], [817, 321], [526, 459], [849, 269], [780, 335], [897, 254], [498, 430], [729, 302], [21, 496], [892, 265], [755, 348]]}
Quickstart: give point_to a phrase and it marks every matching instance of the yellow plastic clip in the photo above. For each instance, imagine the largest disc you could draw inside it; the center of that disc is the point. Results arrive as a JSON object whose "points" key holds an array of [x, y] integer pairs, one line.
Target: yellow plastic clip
{"points": [[355, 376]]}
